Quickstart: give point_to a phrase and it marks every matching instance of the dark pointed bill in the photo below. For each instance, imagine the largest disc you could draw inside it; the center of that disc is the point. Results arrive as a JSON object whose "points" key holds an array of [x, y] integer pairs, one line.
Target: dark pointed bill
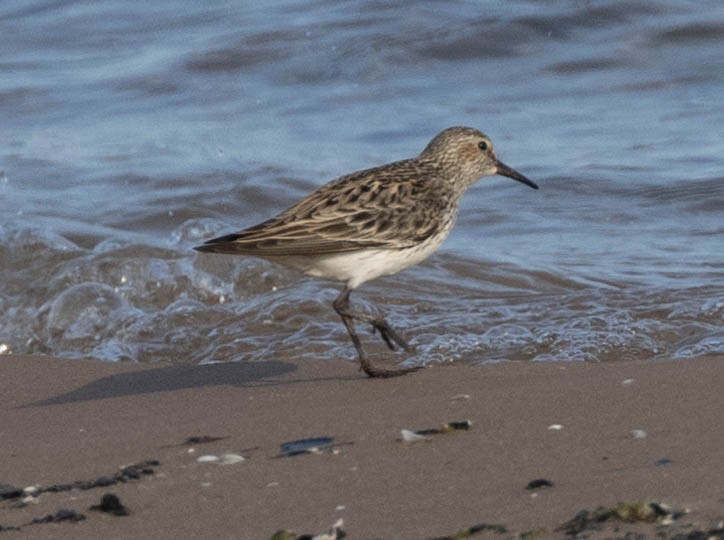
{"points": [[504, 170]]}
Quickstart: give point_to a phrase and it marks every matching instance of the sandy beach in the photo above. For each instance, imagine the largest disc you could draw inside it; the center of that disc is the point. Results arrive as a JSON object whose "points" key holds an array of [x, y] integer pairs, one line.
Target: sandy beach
{"points": [[546, 441]]}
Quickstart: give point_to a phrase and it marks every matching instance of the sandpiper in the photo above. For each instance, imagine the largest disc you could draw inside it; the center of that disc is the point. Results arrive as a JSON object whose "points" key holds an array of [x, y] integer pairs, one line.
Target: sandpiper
{"points": [[374, 223]]}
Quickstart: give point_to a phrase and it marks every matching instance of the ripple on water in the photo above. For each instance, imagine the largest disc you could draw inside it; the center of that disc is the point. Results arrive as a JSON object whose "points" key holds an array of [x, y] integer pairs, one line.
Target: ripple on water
{"points": [[125, 301], [84, 316], [709, 345]]}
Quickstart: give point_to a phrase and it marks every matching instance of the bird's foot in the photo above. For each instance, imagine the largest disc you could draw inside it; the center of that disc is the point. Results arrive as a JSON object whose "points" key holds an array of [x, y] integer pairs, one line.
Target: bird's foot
{"points": [[375, 373]]}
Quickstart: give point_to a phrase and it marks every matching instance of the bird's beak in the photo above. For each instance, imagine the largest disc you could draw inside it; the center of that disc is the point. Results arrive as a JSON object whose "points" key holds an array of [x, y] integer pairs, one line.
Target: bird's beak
{"points": [[503, 170]]}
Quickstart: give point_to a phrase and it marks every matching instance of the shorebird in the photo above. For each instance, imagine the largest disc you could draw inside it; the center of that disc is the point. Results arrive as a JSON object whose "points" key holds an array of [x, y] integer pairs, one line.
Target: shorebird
{"points": [[374, 223]]}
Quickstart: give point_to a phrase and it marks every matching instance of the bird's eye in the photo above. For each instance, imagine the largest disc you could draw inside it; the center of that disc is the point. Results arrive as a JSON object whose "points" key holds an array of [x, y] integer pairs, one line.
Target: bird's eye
{"points": [[483, 145]]}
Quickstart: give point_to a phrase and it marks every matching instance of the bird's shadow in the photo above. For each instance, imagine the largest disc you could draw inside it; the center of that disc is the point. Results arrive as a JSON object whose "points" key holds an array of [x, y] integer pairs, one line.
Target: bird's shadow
{"points": [[170, 378]]}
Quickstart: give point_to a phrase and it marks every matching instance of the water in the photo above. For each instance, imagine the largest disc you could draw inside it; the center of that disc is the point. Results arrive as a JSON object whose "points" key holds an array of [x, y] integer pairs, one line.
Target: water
{"points": [[131, 132]]}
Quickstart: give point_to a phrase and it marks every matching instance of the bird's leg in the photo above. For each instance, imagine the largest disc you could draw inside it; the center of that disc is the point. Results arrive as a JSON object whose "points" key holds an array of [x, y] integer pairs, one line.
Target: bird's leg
{"points": [[388, 334], [342, 307]]}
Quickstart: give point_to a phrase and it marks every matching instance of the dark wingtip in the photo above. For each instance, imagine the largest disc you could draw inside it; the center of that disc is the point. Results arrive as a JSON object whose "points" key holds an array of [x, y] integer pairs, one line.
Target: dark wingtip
{"points": [[215, 245]]}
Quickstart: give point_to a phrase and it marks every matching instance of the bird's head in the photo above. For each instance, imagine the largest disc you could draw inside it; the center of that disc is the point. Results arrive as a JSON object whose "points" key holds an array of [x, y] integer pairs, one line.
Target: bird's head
{"points": [[467, 155]]}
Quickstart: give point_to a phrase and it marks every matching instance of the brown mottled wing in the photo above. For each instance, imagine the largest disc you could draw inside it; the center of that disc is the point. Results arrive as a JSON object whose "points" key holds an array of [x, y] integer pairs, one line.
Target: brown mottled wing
{"points": [[397, 205]]}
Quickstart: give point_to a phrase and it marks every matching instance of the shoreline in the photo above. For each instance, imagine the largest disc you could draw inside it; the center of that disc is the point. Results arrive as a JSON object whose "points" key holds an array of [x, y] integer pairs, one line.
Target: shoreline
{"points": [[601, 434]]}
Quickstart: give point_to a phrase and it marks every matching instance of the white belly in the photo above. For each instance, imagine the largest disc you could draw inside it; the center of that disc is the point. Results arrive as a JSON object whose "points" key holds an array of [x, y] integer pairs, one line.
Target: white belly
{"points": [[354, 268]]}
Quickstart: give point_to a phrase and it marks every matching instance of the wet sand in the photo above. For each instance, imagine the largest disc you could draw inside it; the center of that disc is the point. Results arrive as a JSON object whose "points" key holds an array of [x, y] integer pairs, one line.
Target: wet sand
{"points": [[632, 432]]}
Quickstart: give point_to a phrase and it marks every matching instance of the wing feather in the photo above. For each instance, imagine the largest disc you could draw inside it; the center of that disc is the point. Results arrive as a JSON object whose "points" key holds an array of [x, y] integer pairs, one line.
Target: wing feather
{"points": [[386, 207]]}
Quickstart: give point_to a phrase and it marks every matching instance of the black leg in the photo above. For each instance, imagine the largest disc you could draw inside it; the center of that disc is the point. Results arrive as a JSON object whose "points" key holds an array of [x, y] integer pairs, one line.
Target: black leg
{"points": [[342, 307], [388, 334]]}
